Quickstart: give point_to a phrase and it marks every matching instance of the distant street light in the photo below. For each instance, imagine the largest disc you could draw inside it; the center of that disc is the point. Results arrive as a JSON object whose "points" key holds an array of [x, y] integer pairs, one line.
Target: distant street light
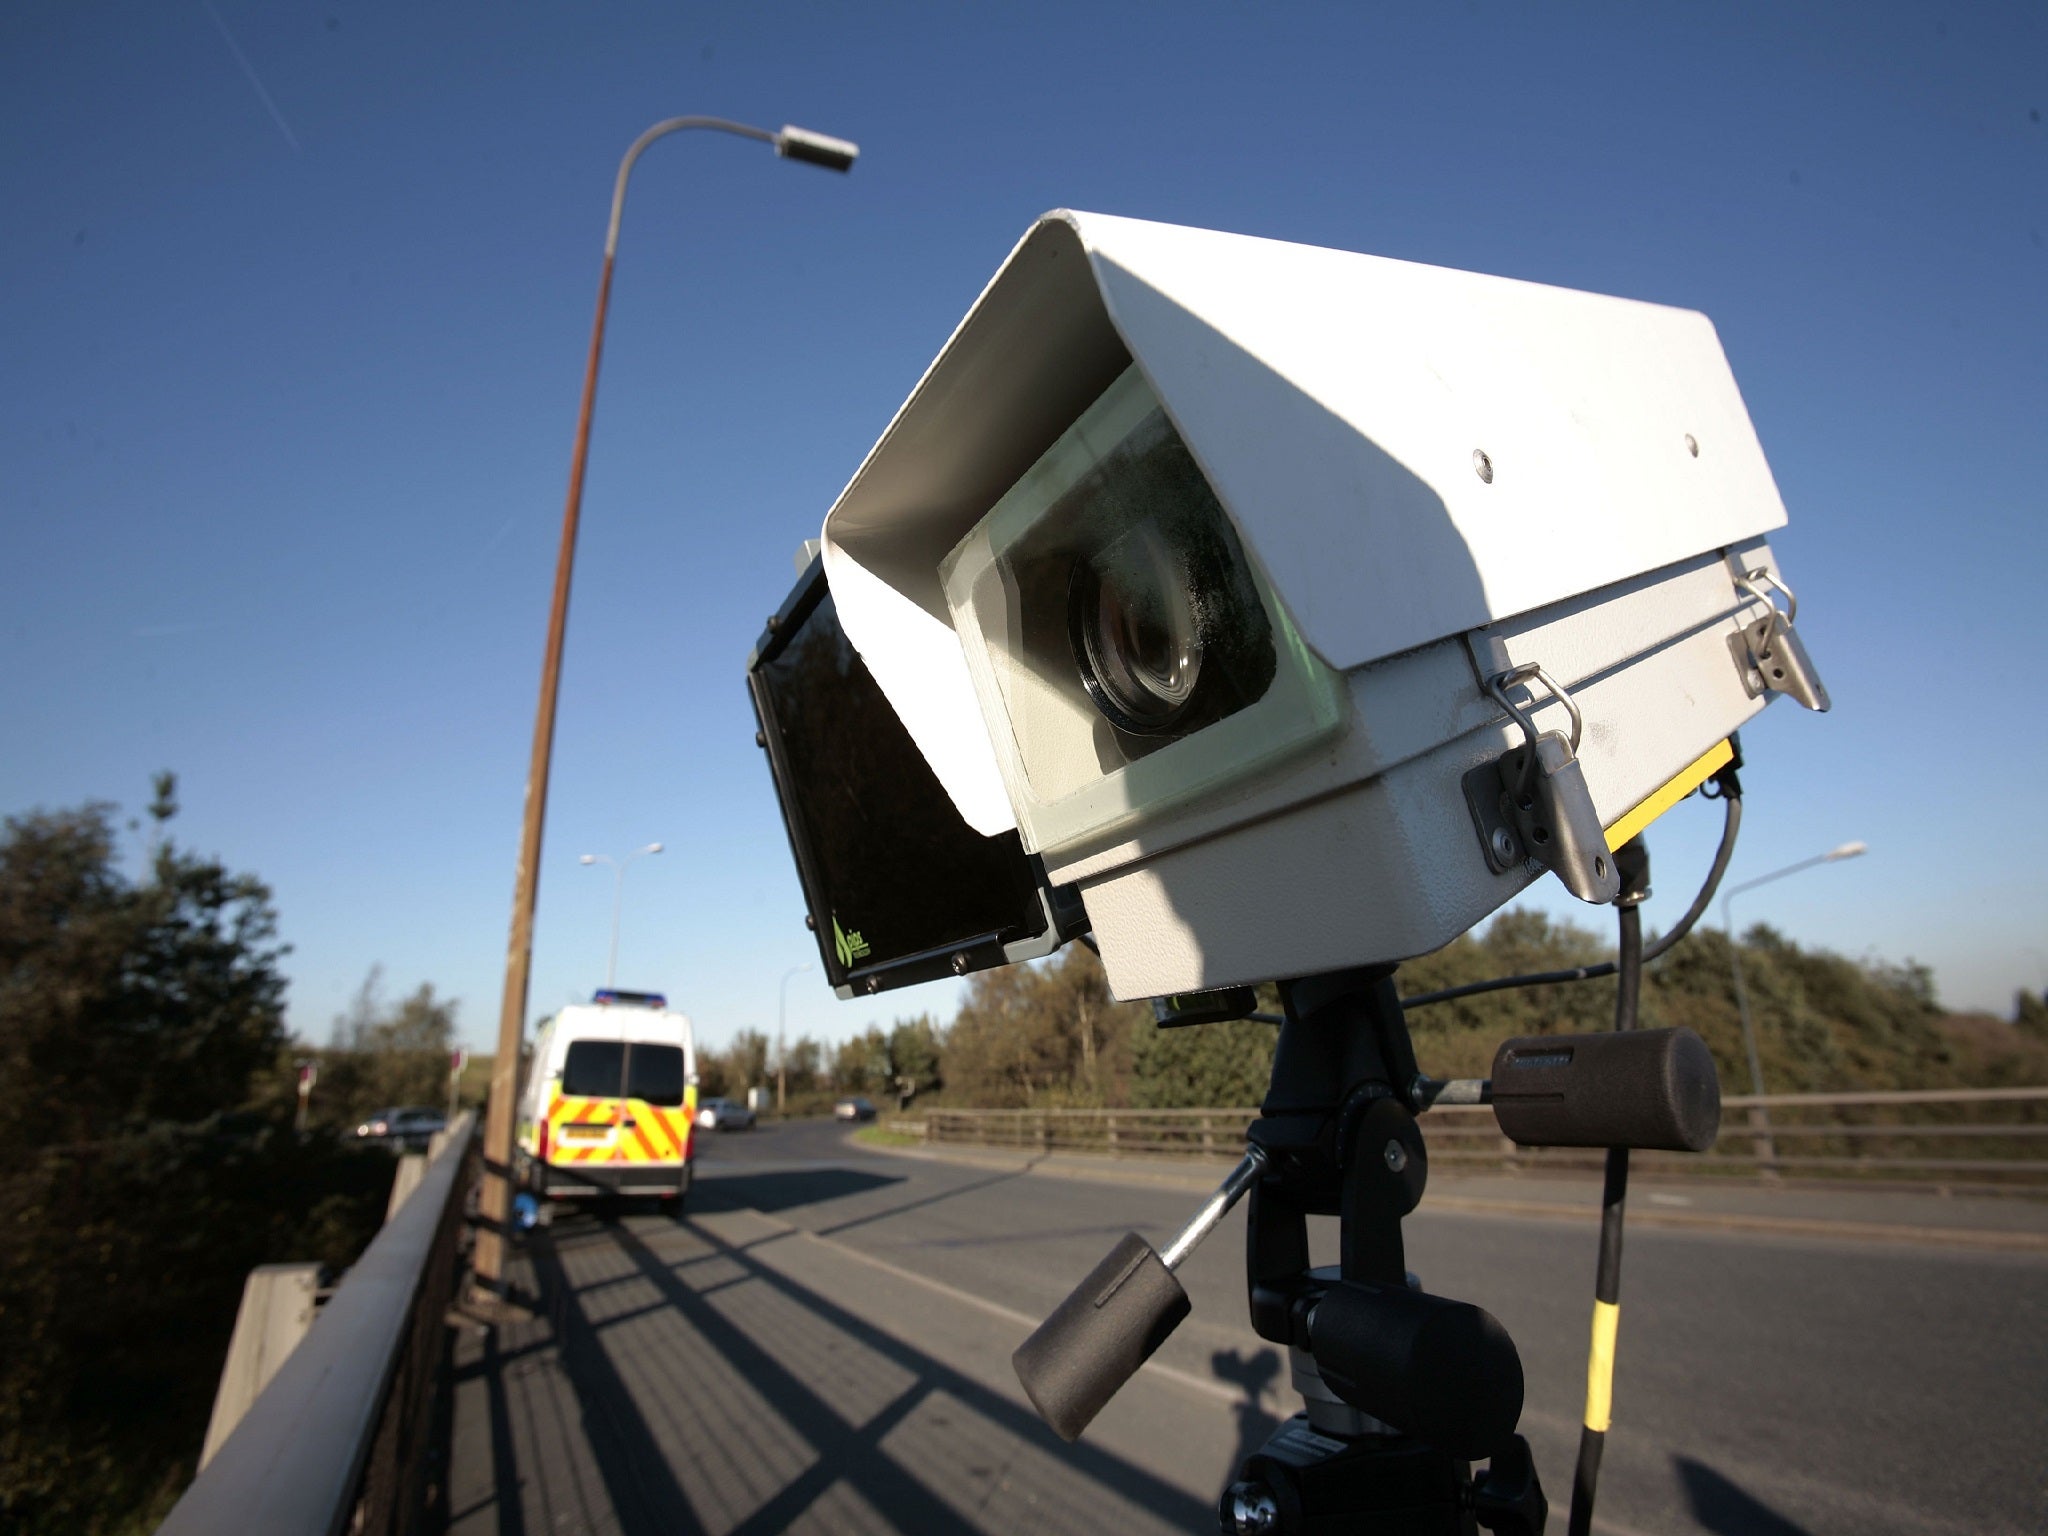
{"points": [[781, 1043], [1759, 1118], [496, 1204], [611, 964]]}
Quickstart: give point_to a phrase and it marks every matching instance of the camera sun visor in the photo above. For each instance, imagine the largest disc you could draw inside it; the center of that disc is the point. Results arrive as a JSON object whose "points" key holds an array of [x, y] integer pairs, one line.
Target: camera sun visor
{"points": [[900, 888], [1651, 1089], [1124, 648]]}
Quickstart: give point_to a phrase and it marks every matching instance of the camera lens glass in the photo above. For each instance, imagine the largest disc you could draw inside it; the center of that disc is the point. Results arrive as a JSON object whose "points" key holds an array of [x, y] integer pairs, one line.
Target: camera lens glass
{"points": [[1136, 633]]}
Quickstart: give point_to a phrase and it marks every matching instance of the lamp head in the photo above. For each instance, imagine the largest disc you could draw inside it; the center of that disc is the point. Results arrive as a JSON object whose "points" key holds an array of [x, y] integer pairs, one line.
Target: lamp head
{"points": [[1847, 851], [816, 148], [588, 858]]}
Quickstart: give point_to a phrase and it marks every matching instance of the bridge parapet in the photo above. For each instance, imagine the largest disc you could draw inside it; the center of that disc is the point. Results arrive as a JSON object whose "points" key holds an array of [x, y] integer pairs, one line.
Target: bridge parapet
{"points": [[335, 1441]]}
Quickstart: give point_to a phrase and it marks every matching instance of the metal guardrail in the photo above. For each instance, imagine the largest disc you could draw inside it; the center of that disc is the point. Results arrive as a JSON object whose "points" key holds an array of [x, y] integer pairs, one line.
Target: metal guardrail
{"points": [[1917, 1135], [335, 1441]]}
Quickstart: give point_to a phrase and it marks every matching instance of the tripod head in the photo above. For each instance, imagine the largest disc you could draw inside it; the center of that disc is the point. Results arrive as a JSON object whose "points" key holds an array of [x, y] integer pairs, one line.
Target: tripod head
{"points": [[1404, 1388]]}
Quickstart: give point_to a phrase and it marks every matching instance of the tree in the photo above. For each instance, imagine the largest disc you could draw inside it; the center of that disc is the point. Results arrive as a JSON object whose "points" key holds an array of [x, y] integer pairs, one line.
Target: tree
{"points": [[1042, 1034], [1206, 1066], [801, 1068], [747, 1061], [385, 1054], [126, 1003], [861, 1063], [134, 1193], [913, 1058], [2030, 1014]]}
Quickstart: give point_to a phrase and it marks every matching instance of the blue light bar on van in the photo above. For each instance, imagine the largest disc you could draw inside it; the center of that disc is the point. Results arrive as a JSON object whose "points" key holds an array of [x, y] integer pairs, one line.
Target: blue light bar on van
{"points": [[630, 999]]}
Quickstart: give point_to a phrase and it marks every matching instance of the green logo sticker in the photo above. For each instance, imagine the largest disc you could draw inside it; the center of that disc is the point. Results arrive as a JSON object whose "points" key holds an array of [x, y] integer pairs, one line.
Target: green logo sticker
{"points": [[849, 946]]}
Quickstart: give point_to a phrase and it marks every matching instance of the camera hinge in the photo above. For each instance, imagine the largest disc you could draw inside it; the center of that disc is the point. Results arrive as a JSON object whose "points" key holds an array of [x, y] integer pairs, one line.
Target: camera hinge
{"points": [[1767, 650], [1532, 801]]}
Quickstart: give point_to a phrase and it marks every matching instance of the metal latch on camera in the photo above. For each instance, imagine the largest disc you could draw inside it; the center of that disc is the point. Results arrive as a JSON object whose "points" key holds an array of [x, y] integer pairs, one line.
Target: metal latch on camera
{"points": [[1769, 652], [1532, 802]]}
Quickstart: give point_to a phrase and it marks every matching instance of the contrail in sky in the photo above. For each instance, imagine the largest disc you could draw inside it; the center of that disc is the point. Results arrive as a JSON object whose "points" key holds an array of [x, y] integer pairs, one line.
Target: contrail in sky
{"points": [[249, 69]]}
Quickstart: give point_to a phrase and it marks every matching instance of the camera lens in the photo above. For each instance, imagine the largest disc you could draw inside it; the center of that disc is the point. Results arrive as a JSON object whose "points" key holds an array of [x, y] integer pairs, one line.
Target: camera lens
{"points": [[1136, 633]]}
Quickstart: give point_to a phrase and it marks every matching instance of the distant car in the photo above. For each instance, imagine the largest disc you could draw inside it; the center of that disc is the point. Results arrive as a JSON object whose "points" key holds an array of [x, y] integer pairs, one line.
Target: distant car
{"points": [[723, 1115], [408, 1128], [853, 1109]]}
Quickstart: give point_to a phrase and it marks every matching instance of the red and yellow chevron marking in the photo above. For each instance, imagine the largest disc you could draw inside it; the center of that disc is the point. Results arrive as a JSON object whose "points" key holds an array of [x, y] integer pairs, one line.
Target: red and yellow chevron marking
{"points": [[656, 1135]]}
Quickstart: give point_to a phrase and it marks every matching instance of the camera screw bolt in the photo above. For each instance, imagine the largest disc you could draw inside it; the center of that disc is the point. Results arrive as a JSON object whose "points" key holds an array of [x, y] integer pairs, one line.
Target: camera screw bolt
{"points": [[1482, 465], [1504, 850], [1396, 1156], [960, 963]]}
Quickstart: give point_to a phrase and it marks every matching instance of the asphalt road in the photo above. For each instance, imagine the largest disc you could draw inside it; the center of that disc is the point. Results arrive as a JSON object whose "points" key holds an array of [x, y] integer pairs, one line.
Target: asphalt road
{"points": [[823, 1344]]}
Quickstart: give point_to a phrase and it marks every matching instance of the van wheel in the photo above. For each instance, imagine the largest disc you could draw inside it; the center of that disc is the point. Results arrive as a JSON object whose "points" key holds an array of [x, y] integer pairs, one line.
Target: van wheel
{"points": [[671, 1206]]}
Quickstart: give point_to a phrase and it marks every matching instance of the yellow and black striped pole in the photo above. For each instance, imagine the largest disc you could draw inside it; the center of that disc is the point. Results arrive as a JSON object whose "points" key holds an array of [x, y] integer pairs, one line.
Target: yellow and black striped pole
{"points": [[1634, 862]]}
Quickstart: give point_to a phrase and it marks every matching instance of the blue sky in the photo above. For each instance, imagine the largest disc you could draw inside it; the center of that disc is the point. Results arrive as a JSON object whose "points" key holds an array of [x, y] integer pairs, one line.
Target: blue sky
{"points": [[293, 306]]}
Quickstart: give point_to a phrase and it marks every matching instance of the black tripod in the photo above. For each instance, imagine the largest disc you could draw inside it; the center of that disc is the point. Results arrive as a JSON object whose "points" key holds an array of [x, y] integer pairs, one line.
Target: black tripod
{"points": [[1337, 1136], [1405, 1390]]}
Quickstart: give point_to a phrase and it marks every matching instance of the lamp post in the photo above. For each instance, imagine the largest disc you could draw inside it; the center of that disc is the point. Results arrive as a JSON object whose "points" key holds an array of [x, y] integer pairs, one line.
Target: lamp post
{"points": [[611, 964], [791, 144], [781, 1024], [1759, 1118]]}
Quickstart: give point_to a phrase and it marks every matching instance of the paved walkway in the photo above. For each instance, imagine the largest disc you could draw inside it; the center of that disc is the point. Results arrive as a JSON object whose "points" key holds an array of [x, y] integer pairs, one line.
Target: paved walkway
{"points": [[823, 1346]]}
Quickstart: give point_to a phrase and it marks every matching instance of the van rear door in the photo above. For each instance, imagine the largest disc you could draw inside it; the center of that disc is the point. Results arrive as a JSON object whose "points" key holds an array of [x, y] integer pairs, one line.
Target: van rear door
{"points": [[622, 1102], [657, 1093], [586, 1119]]}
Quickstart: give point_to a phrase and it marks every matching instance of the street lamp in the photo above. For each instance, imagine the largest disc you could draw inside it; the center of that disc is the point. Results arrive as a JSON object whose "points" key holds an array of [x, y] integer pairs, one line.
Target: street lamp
{"points": [[1759, 1118], [496, 1204], [781, 1022], [611, 963]]}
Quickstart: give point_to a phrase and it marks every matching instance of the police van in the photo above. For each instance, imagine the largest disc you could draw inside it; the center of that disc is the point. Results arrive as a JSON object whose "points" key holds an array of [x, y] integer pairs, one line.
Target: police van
{"points": [[610, 1102]]}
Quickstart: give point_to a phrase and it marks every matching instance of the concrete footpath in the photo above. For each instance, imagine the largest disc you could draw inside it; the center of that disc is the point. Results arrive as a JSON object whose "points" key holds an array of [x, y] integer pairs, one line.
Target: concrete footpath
{"points": [[1919, 1217]]}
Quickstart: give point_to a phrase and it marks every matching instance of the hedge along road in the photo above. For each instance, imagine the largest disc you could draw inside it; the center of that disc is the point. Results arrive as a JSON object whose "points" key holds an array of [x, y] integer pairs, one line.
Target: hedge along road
{"points": [[823, 1344]]}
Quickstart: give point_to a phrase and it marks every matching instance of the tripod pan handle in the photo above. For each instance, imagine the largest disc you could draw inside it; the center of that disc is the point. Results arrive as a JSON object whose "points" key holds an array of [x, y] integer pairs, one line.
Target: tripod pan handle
{"points": [[1097, 1338]]}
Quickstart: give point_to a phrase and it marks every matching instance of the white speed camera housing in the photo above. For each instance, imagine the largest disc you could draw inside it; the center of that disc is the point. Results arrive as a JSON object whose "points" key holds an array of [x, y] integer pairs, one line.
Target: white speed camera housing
{"points": [[1236, 574]]}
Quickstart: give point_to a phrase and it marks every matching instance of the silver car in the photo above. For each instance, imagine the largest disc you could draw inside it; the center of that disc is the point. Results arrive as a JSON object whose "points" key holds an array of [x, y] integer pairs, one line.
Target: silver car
{"points": [[407, 1128], [723, 1115]]}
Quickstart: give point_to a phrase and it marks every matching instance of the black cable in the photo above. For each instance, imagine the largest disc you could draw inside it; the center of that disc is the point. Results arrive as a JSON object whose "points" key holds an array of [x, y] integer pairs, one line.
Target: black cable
{"points": [[1731, 824], [1607, 1276]]}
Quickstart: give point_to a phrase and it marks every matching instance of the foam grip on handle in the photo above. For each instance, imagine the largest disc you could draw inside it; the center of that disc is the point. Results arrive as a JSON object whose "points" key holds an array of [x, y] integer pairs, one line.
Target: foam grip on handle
{"points": [[1443, 1371], [1097, 1338], [1653, 1089]]}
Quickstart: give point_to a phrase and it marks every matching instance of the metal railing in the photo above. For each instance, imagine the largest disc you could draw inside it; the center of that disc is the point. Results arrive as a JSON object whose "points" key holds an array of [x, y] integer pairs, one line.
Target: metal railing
{"points": [[337, 1440], [1984, 1137]]}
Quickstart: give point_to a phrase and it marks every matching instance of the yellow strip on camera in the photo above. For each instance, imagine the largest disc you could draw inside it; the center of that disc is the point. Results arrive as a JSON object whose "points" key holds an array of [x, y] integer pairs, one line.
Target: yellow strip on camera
{"points": [[1689, 778]]}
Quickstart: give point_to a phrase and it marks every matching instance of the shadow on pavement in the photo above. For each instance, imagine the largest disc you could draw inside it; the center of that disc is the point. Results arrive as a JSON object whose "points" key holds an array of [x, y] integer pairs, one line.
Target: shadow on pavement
{"points": [[1727, 1509], [656, 1460], [633, 1464], [779, 1189], [1253, 1374], [943, 1195]]}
